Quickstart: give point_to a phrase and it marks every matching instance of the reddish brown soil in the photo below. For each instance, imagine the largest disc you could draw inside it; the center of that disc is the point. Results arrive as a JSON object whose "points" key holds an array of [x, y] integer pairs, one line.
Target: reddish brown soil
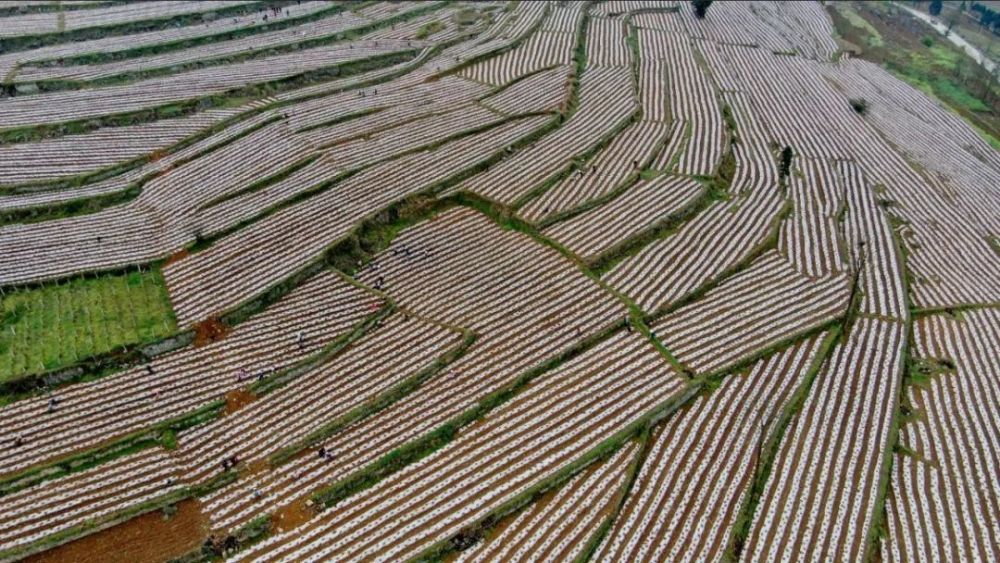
{"points": [[145, 538], [179, 255], [237, 399], [292, 515], [208, 331]]}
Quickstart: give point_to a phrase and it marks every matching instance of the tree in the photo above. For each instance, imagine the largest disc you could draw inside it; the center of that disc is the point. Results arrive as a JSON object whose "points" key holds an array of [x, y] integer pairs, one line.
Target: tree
{"points": [[935, 8], [786, 161], [700, 7]]}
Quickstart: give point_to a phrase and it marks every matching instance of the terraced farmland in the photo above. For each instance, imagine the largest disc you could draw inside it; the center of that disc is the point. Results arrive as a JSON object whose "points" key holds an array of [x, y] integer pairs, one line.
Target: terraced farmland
{"points": [[487, 281]]}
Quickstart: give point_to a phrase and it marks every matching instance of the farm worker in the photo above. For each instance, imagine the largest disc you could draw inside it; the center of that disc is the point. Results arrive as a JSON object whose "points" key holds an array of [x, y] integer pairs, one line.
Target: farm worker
{"points": [[301, 339], [628, 325], [149, 369], [18, 441], [322, 452]]}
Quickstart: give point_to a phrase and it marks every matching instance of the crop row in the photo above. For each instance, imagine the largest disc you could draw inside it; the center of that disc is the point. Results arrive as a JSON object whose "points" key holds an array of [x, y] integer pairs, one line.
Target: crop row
{"points": [[34, 513], [701, 465], [557, 527], [297, 34], [820, 500], [691, 97], [765, 304], [318, 396], [34, 24], [708, 245], [85, 415], [61, 107], [571, 410], [945, 487], [606, 101], [641, 207], [239, 266], [461, 269], [624, 156]]}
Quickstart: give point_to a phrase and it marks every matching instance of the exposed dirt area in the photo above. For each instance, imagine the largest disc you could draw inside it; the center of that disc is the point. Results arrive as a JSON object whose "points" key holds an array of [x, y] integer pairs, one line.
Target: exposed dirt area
{"points": [[293, 515], [209, 331], [237, 399], [147, 538]]}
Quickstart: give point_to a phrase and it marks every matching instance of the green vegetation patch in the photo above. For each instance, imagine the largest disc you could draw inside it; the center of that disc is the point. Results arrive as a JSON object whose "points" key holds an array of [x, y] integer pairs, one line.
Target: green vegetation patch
{"points": [[56, 325], [871, 35], [429, 29]]}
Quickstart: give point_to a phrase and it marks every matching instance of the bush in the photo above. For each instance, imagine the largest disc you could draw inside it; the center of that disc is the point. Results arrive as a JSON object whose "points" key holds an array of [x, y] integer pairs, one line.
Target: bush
{"points": [[860, 105], [700, 7], [927, 41]]}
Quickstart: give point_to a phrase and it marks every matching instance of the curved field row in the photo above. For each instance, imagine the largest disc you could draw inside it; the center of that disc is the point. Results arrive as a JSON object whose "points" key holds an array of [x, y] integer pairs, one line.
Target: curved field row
{"points": [[624, 157], [945, 494], [639, 208], [819, 503], [135, 176], [461, 269], [653, 87], [810, 238], [157, 223], [52, 22], [595, 119], [550, 45], [676, 138], [764, 305], [61, 107], [606, 42], [54, 159], [333, 24], [950, 259], [687, 495], [400, 99], [544, 91], [116, 45], [93, 413], [36, 512], [572, 410], [203, 284], [703, 248], [557, 526], [883, 270], [328, 391], [692, 99], [802, 27]]}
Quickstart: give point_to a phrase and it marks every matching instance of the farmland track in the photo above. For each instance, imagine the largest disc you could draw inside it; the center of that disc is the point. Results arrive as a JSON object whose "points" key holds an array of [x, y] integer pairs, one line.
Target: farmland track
{"points": [[491, 281]]}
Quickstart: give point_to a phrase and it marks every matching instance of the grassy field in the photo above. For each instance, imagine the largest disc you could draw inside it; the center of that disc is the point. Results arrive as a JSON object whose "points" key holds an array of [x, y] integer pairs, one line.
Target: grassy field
{"points": [[56, 325], [914, 52]]}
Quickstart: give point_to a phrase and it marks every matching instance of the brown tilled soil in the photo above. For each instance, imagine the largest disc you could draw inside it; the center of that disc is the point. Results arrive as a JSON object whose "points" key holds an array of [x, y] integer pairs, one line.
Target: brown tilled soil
{"points": [[145, 538], [237, 399], [293, 515]]}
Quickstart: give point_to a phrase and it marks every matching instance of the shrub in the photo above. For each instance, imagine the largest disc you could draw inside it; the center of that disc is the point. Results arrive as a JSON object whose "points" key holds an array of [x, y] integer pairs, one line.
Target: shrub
{"points": [[700, 7], [860, 105], [927, 41]]}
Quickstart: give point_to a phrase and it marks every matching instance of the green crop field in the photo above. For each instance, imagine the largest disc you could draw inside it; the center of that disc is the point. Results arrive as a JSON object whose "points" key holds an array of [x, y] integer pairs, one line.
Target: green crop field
{"points": [[56, 325]]}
